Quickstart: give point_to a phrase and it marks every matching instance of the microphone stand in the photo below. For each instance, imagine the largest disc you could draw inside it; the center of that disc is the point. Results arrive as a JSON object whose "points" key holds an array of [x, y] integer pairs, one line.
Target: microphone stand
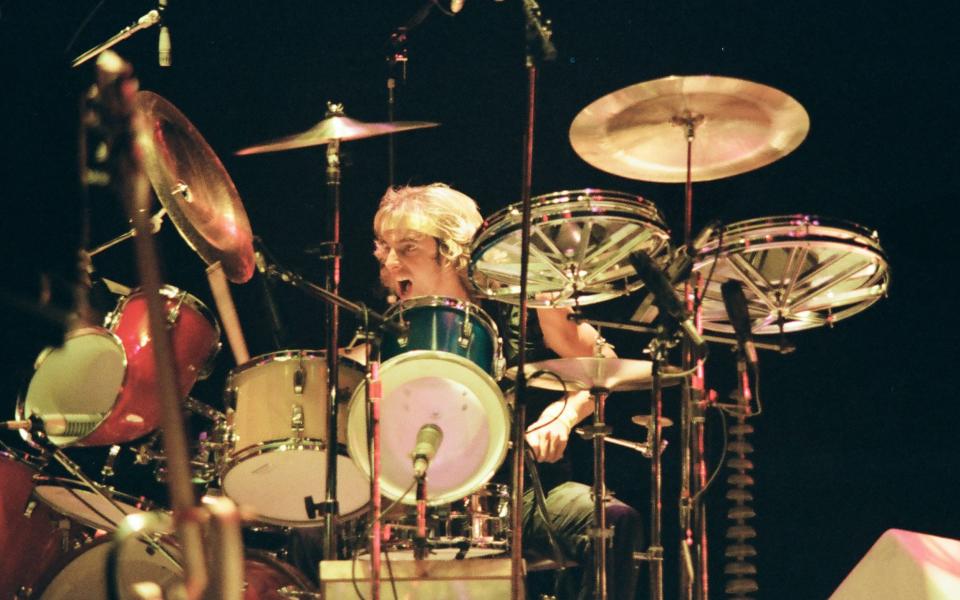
{"points": [[397, 56], [134, 189], [535, 29]]}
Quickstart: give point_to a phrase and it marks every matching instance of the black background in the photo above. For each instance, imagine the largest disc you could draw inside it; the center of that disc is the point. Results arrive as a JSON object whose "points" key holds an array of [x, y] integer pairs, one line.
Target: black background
{"points": [[857, 434]]}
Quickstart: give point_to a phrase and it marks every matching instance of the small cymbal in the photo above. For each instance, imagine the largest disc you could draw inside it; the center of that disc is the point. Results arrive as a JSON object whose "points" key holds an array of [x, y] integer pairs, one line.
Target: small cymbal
{"points": [[195, 189], [589, 372], [645, 420], [640, 131], [335, 126]]}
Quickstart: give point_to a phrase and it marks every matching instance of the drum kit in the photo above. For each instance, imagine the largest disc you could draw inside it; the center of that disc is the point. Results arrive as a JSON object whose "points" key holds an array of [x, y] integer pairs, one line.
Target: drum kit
{"points": [[268, 449]]}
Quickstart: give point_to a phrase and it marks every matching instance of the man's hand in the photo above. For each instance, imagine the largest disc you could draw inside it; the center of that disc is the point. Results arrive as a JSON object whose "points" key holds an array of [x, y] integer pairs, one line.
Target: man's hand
{"points": [[548, 438]]}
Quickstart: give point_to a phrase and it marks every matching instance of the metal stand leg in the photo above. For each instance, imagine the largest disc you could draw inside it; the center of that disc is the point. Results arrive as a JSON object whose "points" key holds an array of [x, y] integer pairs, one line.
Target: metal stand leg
{"points": [[599, 533]]}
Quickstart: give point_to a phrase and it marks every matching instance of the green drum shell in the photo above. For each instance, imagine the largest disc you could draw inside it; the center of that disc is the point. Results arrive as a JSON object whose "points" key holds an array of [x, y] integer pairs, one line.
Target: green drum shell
{"points": [[436, 323]]}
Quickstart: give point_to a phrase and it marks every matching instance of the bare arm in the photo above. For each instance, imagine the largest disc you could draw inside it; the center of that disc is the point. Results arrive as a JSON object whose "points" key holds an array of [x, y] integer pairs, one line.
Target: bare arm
{"points": [[549, 434]]}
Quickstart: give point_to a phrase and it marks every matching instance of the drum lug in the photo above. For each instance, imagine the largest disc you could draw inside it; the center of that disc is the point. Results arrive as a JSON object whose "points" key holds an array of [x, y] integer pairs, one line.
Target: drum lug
{"points": [[174, 313], [299, 380], [107, 470], [296, 421], [499, 362], [466, 334], [29, 508]]}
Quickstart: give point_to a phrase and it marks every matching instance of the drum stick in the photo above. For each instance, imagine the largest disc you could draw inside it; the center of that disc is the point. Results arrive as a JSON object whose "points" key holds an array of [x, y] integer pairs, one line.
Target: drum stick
{"points": [[228, 312]]}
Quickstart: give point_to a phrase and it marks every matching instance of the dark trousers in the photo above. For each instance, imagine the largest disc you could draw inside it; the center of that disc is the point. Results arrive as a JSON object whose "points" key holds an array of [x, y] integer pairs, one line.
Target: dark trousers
{"points": [[570, 508]]}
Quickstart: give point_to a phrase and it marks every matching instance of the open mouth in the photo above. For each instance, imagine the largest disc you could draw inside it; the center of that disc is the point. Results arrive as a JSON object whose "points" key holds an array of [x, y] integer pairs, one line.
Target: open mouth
{"points": [[404, 285]]}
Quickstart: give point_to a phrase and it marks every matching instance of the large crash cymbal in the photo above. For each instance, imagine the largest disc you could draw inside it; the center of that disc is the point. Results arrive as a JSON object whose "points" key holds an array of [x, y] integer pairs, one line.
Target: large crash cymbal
{"points": [[335, 126], [640, 131], [192, 184]]}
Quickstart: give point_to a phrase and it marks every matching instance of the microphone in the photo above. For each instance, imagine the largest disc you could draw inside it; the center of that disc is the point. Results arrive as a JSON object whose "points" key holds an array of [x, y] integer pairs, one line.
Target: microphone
{"points": [[666, 298], [736, 304], [428, 440], [456, 6], [678, 269], [163, 41], [67, 425]]}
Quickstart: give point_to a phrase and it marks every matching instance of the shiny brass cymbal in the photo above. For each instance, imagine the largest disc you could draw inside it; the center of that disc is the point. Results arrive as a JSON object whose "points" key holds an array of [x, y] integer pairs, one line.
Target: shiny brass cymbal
{"points": [[591, 372], [194, 187], [640, 131], [335, 126]]}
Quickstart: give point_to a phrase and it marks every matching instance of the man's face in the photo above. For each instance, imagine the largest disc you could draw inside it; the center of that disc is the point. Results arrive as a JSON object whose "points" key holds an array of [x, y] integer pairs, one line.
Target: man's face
{"points": [[410, 265]]}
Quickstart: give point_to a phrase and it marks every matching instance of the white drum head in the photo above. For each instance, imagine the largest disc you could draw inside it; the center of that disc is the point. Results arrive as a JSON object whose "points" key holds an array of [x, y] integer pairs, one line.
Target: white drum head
{"points": [[82, 377], [85, 575], [275, 482], [449, 391], [85, 506]]}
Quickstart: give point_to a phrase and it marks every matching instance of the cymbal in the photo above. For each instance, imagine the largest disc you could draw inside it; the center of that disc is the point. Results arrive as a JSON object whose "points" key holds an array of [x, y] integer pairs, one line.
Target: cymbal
{"points": [[194, 187], [590, 372], [640, 131], [646, 420], [335, 126]]}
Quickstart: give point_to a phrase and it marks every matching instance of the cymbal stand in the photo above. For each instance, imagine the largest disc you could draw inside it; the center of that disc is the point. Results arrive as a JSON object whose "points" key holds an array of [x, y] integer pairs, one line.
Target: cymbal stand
{"points": [[693, 528], [329, 507], [599, 534], [370, 321], [654, 554]]}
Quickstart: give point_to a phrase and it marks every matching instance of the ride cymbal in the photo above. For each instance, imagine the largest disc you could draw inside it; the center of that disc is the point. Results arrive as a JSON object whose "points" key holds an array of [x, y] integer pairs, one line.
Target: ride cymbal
{"points": [[195, 189], [640, 131]]}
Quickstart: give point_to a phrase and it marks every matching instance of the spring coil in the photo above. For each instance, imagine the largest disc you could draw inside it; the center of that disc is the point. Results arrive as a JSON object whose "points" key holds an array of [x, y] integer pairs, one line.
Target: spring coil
{"points": [[740, 571]]}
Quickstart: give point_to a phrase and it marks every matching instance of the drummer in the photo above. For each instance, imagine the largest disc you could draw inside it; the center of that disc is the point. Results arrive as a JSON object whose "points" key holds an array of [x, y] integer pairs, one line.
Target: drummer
{"points": [[422, 237]]}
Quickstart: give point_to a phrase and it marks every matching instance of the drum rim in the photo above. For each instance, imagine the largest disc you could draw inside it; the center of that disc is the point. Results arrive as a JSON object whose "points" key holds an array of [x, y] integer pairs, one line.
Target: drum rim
{"points": [[170, 292], [555, 198], [498, 225], [357, 399], [732, 234], [112, 320], [40, 480], [20, 411], [767, 233], [308, 444], [434, 301], [288, 354]]}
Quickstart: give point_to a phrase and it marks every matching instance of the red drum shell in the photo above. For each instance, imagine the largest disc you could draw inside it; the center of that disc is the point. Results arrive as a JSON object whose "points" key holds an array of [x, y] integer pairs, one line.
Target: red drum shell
{"points": [[31, 536]]}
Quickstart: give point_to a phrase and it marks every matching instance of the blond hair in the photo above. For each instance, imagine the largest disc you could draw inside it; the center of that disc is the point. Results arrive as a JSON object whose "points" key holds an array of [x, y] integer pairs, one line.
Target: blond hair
{"points": [[436, 210]]}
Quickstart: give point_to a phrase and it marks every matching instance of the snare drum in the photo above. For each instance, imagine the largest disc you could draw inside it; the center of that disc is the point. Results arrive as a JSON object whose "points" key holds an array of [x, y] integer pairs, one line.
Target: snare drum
{"points": [[276, 453], [580, 244], [477, 526], [797, 271], [32, 536], [103, 382], [440, 373]]}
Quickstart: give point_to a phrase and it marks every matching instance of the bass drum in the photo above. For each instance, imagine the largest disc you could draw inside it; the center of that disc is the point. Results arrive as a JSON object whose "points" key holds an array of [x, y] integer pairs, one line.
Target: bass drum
{"points": [[82, 574]]}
